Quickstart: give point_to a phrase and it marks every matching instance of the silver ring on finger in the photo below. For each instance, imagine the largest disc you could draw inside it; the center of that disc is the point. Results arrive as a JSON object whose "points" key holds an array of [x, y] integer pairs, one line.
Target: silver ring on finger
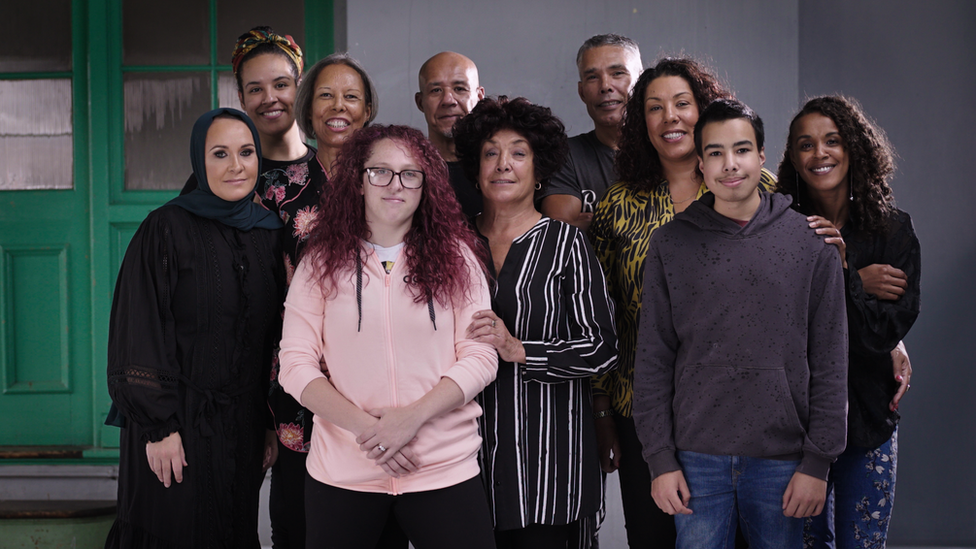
{"points": [[381, 448], [493, 323]]}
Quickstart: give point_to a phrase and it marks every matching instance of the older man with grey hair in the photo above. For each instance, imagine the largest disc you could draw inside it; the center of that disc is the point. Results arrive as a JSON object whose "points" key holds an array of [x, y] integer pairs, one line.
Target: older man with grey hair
{"points": [[609, 65]]}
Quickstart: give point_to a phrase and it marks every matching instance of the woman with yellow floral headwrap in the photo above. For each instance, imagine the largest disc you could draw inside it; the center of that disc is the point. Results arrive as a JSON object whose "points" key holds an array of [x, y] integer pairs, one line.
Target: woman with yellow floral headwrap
{"points": [[268, 68]]}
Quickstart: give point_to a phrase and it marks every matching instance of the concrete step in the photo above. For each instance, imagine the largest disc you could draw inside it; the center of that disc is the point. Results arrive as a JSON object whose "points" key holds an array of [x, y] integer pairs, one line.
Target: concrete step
{"points": [[55, 524]]}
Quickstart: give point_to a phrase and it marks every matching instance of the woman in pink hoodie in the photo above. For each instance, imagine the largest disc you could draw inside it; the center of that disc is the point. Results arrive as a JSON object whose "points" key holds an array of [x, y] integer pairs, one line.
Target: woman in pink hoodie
{"points": [[374, 344]]}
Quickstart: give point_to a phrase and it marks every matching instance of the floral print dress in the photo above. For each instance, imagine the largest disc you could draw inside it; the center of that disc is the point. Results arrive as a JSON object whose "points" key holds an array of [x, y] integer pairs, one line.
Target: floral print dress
{"points": [[292, 189]]}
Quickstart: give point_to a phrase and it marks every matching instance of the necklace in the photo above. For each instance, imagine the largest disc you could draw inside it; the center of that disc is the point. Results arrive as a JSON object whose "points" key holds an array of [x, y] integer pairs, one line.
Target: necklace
{"points": [[675, 202], [694, 193]]}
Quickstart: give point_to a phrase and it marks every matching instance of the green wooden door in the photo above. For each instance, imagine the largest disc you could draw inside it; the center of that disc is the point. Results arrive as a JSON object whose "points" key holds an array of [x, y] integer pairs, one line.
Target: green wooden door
{"points": [[45, 244], [137, 76]]}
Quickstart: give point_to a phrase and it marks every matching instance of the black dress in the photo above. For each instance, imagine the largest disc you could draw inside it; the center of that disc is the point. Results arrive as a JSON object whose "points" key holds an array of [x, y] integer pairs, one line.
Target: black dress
{"points": [[292, 190], [195, 314]]}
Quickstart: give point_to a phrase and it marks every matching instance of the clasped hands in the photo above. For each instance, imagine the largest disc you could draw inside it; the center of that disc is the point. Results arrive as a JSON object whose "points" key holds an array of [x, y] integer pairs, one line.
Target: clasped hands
{"points": [[387, 440]]}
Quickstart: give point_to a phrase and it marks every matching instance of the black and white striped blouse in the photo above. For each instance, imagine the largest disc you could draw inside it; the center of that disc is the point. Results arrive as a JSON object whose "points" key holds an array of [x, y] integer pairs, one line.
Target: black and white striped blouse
{"points": [[539, 455]]}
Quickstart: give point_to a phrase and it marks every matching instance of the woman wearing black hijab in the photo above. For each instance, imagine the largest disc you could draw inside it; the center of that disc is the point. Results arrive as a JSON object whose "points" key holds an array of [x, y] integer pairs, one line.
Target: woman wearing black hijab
{"points": [[194, 316]]}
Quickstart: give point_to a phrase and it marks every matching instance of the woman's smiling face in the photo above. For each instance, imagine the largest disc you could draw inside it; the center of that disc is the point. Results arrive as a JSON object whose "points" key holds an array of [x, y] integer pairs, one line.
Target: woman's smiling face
{"points": [[268, 94], [507, 173], [338, 106], [671, 112], [818, 154]]}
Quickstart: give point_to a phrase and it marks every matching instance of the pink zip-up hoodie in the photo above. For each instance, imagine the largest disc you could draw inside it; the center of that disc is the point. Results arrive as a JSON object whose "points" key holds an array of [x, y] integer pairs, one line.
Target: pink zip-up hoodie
{"points": [[392, 360]]}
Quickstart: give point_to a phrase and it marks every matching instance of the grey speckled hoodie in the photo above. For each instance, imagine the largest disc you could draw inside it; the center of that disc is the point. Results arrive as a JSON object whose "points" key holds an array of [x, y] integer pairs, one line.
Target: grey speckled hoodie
{"points": [[742, 347]]}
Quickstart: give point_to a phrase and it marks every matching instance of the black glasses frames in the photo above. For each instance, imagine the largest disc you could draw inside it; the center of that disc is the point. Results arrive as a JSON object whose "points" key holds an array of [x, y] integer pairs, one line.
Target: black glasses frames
{"points": [[382, 177]]}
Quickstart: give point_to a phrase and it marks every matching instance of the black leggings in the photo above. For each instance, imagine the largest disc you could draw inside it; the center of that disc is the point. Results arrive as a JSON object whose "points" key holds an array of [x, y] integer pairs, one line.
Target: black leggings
{"points": [[538, 536], [648, 527], [287, 501], [456, 516], [287, 505]]}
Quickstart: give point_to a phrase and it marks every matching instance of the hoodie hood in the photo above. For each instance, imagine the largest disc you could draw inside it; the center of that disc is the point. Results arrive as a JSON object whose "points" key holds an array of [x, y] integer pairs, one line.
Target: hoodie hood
{"points": [[701, 213]]}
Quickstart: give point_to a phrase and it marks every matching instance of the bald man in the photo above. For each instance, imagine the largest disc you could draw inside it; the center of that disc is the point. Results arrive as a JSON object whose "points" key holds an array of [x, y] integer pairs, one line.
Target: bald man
{"points": [[449, 89]]}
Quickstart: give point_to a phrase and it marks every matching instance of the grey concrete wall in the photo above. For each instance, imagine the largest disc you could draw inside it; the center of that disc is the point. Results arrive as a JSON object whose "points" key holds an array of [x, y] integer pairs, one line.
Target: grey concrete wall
{"points": [[528, 47], [913, 67]]}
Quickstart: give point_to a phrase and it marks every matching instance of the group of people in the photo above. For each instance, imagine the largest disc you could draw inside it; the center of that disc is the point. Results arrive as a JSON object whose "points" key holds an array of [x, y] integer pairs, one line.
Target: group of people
{"points": [[450, 340]]}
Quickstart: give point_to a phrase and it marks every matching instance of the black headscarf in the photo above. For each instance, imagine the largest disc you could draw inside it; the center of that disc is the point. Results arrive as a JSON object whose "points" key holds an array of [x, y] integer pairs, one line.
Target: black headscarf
{"points": [[243, 214]]}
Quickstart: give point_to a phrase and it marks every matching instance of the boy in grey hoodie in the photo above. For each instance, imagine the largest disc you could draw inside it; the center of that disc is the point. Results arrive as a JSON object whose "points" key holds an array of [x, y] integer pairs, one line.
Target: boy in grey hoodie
{"points": [[740, 382]]}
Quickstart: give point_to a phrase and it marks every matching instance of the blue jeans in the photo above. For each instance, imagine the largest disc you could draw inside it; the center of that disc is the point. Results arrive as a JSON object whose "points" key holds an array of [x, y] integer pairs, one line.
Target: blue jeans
{"points": [[731, 490], [860, 493]]}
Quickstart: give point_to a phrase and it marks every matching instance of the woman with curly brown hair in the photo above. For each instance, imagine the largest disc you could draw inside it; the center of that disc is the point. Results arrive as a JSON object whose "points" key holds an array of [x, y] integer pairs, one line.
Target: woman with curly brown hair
{"points": [[836, 166], [658, 170], [552, 324], [374, 344]]}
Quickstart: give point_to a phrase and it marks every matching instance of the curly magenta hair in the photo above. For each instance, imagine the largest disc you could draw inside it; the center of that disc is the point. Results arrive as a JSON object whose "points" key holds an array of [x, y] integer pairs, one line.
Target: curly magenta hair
{"points": [[637, 162], [871, 162], [435, 245]]}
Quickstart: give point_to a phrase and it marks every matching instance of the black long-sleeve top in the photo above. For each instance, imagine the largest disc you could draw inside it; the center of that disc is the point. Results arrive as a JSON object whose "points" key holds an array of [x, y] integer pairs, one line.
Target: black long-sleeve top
{"points": [[876, 326]]}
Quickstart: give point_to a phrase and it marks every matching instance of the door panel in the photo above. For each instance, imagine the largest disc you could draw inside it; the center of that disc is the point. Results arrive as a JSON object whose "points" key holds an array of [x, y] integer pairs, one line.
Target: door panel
{"points": [[36, 321], [45, 318]]}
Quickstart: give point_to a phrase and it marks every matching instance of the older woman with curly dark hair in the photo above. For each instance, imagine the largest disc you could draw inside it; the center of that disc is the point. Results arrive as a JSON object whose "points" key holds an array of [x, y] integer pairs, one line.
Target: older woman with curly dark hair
{"points": [[836, 167], [552, 324], [658, 170]]}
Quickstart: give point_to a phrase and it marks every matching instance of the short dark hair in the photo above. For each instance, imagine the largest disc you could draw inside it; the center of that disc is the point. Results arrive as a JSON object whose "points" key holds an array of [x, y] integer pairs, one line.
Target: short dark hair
{"points": [[637, 161], [544, 132], [607, 40], [721, 110], [306, 91]]}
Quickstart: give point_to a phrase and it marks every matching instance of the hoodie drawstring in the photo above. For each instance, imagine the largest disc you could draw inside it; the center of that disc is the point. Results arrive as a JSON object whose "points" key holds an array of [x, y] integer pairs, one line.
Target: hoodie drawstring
{"points": [[359, 297]]}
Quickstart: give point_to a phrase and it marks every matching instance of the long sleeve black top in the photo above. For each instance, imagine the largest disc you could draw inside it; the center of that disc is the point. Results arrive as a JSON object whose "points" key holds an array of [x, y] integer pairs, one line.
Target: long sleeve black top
{"points": [[876, 326]]}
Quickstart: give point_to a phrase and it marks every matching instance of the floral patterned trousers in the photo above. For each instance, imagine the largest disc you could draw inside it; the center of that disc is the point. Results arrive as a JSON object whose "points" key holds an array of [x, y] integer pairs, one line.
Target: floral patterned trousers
{"points": [[860, 494]]}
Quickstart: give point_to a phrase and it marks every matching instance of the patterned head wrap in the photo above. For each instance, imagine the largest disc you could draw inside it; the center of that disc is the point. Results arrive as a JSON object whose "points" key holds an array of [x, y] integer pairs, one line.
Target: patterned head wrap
{"points": [[264, 35]]}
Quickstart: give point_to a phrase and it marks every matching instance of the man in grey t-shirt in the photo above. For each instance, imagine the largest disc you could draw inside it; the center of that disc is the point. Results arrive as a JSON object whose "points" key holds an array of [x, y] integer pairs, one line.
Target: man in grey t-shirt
{"points": [[609, 65]]}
